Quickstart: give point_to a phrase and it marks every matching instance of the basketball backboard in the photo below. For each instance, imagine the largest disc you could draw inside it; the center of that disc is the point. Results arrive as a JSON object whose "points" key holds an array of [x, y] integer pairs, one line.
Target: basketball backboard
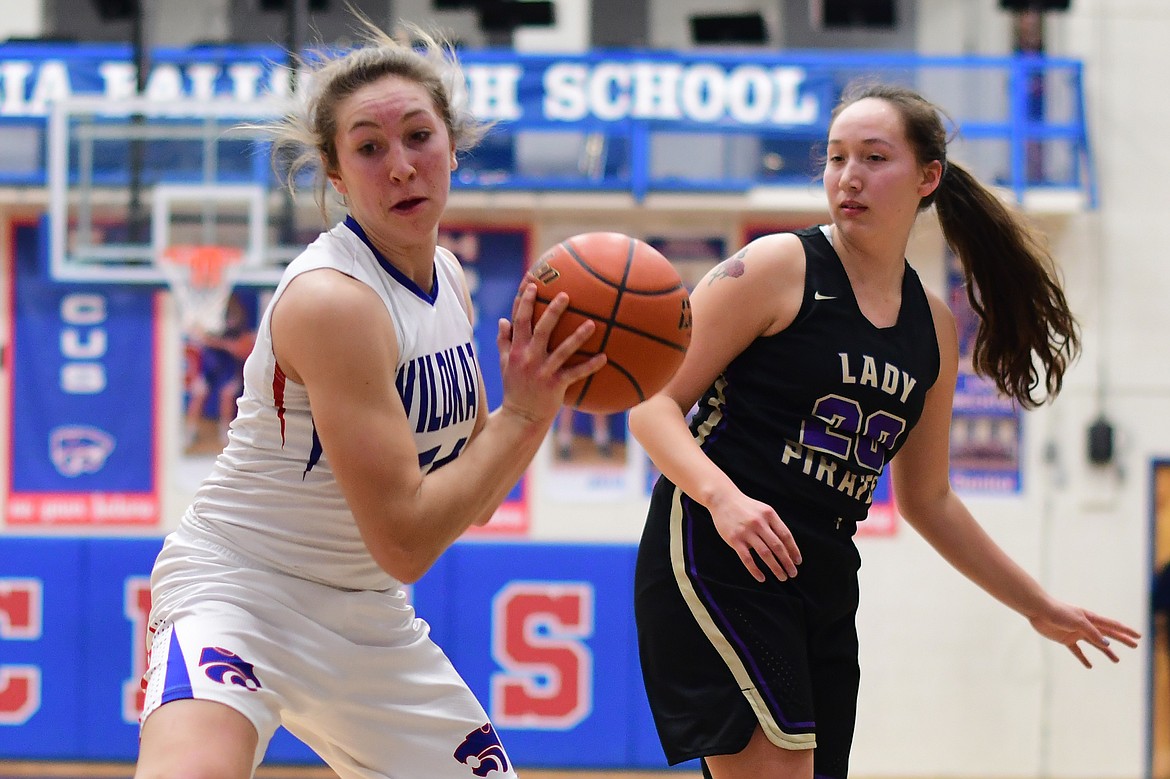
{"points": [[130, 178]]}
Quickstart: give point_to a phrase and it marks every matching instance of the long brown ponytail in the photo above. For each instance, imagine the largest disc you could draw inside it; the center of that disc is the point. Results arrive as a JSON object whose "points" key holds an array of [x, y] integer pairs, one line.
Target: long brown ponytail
{"points": [[1027, 336]]}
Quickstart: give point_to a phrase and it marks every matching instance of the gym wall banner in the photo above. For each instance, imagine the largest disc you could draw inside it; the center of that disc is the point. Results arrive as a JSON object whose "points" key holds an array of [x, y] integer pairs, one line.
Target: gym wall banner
{"points": [[493, 260], [543, 634], [710, 90], [985, 424], [83, 447], [692, 256]]}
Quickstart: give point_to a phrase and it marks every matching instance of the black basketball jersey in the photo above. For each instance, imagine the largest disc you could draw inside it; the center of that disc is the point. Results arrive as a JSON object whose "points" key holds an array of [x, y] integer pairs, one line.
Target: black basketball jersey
{"points": [[810, 416]]}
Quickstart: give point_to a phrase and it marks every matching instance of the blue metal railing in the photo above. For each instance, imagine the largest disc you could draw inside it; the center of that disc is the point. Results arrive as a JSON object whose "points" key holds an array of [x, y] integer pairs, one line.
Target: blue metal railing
{"points": [[633, 121]]}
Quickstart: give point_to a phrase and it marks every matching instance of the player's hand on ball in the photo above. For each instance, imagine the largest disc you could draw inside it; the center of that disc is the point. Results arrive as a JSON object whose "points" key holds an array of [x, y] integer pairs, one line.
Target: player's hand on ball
{"points": [[534, 377], [639, 304]]}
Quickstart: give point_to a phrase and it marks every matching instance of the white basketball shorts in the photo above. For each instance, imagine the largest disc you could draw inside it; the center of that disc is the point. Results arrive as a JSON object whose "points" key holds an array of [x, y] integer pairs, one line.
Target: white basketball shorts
{"points": [[353, 674]]}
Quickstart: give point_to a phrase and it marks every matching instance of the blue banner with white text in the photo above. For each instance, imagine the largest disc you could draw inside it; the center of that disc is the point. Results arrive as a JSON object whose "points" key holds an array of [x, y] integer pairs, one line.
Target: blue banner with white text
{"points": [[628, 98], [82, 448], [711, 91]]}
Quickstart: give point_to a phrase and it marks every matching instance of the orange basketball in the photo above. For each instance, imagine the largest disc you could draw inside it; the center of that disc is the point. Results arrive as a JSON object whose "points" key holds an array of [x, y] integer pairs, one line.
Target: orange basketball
{"points": [[641, 308]]}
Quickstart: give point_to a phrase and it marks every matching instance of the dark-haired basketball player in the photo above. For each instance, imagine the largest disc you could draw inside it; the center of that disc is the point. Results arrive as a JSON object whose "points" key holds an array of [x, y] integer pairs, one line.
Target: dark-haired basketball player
{"points": [[817, 357]]}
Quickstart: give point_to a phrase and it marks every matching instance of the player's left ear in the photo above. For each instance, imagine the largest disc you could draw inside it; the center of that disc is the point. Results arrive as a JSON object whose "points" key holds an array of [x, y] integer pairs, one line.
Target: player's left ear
{"points": [[454, 160], [931, 176]]}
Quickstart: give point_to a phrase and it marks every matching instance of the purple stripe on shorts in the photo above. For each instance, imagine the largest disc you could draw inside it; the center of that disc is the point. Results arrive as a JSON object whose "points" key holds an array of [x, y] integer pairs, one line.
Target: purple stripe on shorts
{"points": [[730, 633]]}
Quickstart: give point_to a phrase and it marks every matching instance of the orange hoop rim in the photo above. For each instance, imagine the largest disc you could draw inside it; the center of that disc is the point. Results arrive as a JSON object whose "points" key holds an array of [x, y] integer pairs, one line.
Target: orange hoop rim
{"points": [[207, 263]]}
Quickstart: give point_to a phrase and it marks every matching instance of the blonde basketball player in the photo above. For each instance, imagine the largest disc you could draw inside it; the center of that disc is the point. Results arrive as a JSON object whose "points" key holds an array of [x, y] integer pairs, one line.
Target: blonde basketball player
{"points": [[361, 451]]}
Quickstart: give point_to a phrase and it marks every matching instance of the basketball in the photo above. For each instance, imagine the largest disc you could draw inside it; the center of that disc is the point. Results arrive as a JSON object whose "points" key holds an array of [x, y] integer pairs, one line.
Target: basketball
{"points": [[640, 305]]}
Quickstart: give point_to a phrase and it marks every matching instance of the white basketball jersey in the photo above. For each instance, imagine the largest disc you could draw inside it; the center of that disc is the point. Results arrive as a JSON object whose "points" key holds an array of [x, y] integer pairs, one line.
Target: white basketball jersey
{"points": [[271, 496]]}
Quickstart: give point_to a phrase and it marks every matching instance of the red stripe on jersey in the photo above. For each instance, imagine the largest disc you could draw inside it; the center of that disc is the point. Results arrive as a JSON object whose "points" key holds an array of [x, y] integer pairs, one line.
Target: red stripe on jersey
{"points": [[278, 382]]}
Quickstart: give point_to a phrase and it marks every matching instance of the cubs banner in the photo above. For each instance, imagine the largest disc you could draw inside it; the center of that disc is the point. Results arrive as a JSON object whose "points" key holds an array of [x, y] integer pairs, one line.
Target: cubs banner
{"points": [[82, 447]]}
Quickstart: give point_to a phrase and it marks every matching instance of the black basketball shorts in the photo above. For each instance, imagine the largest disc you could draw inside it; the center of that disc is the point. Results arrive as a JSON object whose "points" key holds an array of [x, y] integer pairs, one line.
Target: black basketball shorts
{"points": [[722, 653]]}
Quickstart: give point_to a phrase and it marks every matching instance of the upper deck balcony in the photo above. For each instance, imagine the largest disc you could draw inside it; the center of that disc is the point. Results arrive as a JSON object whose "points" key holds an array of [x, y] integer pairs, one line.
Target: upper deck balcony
{"points": [[743, 130]]}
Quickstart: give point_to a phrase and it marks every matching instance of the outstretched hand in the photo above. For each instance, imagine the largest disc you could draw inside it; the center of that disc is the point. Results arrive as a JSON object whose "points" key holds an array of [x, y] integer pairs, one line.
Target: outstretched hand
{"points": [[536, 377], [1069, 625]]}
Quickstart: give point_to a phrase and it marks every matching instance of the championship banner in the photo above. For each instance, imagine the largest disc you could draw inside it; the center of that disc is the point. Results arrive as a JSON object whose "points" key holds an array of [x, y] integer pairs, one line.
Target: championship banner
{"points": [[985, 438], [883, 516], [83, 448]]}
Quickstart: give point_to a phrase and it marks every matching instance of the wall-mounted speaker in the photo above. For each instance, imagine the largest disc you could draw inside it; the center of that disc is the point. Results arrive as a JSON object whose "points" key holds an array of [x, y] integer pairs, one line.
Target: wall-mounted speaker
{"points": [[1100, 443], [507, 15], [282, 5]]}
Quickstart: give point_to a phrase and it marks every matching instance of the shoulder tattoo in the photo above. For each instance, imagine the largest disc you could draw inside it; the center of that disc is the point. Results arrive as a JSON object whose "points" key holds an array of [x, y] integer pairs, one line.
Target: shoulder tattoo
{"points": [[731, 268]]}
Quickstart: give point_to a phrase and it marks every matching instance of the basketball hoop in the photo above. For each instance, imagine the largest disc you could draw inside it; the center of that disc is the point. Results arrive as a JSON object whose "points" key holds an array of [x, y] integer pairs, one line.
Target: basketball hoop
{"points": [[201, 279]]}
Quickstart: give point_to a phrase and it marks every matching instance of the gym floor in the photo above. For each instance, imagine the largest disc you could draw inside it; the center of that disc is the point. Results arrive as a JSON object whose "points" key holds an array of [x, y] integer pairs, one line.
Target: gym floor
{"points": [[41, 770]]}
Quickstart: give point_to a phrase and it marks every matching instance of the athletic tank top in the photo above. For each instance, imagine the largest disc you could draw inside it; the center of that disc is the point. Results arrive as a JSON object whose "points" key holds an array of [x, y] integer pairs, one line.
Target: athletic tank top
{"points": [[809, 417], [271, 497]]}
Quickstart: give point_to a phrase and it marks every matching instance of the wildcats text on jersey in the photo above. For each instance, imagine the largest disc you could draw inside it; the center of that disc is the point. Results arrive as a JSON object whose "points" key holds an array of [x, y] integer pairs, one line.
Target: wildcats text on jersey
{"points": [[440, 389]]}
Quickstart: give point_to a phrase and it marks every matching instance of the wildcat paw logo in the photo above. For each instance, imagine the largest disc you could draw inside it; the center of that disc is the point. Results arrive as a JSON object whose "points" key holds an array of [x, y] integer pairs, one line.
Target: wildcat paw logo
{"points": [[79, 449], [482, 751], [227, 668]]}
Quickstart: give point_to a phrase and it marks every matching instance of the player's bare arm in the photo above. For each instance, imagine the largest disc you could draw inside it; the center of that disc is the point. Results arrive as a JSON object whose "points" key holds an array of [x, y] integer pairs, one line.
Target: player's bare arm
{"points": [[929, 504], [333, 334], [755, 292]]}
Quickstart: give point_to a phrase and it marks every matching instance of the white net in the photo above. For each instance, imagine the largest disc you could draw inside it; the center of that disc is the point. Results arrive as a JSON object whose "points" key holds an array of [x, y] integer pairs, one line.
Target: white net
{"points": [[201, 279]]}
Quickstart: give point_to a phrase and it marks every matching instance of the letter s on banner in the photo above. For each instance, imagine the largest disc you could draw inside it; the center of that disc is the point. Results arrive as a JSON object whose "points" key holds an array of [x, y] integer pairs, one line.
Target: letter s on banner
{"points": [[136, 604], [21, 609], [538, 632]]}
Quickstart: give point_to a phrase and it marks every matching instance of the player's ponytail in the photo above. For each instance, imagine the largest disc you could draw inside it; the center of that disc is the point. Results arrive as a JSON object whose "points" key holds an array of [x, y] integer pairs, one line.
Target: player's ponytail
{"points": [[1027, 335]]}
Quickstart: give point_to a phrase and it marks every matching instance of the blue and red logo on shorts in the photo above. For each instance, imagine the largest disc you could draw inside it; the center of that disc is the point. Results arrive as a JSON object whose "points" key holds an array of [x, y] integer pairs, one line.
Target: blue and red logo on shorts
{"points": [[226, 667], [482, 751]]}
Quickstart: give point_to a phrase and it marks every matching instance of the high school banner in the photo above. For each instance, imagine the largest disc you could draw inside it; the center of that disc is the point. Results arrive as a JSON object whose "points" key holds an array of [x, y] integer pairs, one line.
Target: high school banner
{"points": [[82, 448], [631, 96], [756, 91]]}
